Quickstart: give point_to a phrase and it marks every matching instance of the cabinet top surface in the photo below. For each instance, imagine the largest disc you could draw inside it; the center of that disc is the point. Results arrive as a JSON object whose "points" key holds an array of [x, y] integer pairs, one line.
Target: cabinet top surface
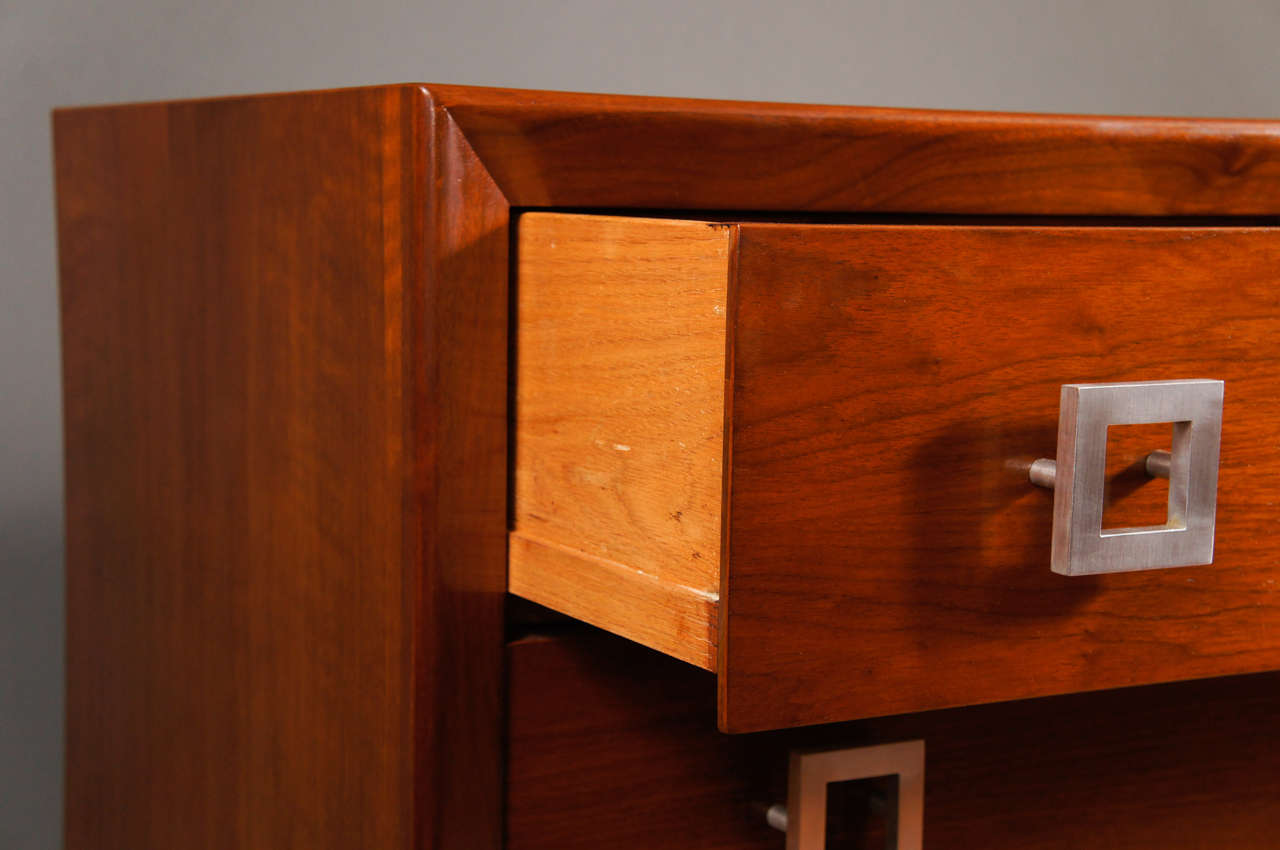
{"points": [[554, 149], [515, 101]]}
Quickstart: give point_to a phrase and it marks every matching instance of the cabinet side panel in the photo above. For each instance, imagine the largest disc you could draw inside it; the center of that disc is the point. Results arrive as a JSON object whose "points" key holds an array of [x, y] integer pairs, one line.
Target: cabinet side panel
{"points": [[232, 329]]}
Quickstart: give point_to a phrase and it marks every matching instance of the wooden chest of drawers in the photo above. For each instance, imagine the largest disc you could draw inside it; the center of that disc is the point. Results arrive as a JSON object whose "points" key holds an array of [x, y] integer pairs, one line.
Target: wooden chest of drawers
{"points": [[756, 385]]}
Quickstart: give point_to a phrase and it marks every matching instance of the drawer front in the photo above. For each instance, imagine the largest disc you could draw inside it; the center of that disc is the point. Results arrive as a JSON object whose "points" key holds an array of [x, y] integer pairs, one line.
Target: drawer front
{"points": [[884, 391], [611, 745], [890, 387]]}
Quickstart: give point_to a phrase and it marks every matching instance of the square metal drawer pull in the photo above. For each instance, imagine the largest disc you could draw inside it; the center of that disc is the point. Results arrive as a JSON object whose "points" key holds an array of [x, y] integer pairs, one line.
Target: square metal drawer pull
{"points": [[804, 817], [1081, 546]]}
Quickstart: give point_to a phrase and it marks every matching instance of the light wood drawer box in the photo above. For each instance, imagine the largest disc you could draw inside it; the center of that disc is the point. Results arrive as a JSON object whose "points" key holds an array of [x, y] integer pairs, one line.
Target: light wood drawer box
{"points": [[796, 454]]}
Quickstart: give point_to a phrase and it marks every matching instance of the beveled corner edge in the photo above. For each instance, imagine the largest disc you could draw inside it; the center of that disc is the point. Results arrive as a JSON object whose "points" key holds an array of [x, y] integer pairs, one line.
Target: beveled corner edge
{"points": [[549, 149]]}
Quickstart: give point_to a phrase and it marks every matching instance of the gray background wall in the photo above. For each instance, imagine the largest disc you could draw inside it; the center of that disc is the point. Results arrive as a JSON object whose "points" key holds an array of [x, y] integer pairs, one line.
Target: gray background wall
{"points": [[1108, 56]]}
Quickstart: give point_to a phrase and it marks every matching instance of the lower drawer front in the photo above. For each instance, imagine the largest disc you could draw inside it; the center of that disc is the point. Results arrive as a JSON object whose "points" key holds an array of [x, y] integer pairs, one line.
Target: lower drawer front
{"points": [[798, 454], [611, 745]]}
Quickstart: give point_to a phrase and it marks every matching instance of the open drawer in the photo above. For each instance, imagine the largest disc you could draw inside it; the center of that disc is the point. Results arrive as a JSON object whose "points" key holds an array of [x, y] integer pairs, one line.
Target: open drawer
{"points": [[798, 454]]}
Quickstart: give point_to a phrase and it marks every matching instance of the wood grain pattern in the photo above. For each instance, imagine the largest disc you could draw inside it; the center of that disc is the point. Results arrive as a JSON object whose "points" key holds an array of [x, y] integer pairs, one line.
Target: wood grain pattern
{"points": [[659, 613], [613, 745], [285, 368], [619, 424], [576, 150], [284, 599], [891, 385], [1131, 497], [602, 757], [455, 565]]}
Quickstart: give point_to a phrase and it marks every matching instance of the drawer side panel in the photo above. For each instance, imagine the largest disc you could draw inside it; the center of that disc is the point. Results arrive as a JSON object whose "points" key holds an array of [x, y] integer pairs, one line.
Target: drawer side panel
{"points": [[619, 424]]}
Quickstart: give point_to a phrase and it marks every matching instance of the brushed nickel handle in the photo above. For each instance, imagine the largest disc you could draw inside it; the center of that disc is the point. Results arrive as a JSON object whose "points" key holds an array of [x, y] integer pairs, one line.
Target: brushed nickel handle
{"points": [[1078, 476], [804, 817]]}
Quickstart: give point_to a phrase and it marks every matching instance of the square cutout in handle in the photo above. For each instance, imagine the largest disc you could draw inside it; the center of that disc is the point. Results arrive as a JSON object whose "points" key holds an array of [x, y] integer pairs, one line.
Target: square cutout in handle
{"points": [[1134, 495], [812, 772], [1081, 546]]}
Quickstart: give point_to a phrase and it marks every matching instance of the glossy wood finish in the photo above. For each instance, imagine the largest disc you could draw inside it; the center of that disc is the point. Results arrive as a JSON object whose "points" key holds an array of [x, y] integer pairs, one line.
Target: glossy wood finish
{"points": [[275, 638], [602, 755], [892, 385], [458, 440], [619, 423], [285, 486], [549, 149], [614, 745]]}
